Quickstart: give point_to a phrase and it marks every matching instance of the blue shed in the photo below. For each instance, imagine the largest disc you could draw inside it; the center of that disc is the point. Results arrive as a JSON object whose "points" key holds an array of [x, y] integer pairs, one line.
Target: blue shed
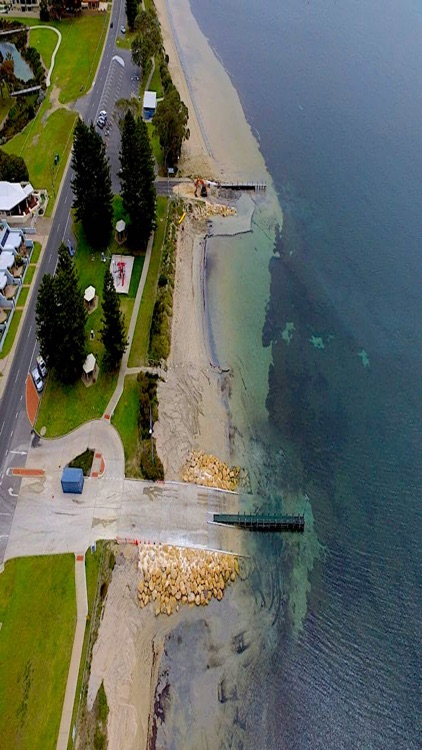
{"points": [[73, 480]]}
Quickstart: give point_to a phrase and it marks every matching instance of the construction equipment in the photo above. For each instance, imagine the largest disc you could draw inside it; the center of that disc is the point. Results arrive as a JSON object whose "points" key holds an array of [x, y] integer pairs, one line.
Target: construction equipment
{"points": [[201, 183]]}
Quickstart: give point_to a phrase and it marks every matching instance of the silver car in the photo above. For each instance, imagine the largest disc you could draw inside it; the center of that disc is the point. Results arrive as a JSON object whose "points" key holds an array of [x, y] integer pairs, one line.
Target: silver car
{"points": [[38, 381]]}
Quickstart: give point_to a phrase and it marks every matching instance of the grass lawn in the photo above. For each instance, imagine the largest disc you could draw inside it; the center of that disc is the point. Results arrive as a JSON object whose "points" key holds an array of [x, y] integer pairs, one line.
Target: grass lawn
{"points": [[10, 336], [63, 408], [140, 342], [23, 296], [38, 615], [156, 148], [71, 69], [36, 252], [125, 420], [43, 137], [155, 83], [51, 131], [29, 274], [44, 40], [5, 105]]}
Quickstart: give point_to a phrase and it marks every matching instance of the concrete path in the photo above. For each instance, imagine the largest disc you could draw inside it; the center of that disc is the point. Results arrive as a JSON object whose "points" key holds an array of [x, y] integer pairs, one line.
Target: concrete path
{"points": [[72, 678]]}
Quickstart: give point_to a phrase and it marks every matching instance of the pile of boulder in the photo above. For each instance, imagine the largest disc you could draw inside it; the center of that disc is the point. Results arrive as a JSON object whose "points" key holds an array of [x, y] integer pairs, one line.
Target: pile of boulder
{"points": [[172, 576], [208, 470], [205, 209]]}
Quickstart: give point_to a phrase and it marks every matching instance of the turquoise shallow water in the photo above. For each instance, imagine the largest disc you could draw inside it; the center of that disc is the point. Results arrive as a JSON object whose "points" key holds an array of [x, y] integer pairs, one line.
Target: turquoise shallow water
{"points": [[324, 327]]}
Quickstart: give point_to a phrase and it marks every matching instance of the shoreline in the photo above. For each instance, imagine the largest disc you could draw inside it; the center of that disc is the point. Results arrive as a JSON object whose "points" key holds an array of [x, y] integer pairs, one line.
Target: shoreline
{"points": [[195, 408]]}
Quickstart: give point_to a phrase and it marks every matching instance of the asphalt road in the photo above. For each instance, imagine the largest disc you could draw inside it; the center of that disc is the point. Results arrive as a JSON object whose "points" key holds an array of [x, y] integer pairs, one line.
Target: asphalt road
{"points": [[113, 81]]}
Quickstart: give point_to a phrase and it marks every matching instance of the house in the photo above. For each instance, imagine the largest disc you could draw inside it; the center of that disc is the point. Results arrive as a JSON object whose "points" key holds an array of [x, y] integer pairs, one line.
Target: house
{"points": [[17, 198], [149, 104], [15, 251]]}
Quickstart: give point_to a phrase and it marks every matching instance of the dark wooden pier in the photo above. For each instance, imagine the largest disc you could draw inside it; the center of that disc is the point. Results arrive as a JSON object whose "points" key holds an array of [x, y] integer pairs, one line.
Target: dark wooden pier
{"points": [[257, 186], [264, 522]]}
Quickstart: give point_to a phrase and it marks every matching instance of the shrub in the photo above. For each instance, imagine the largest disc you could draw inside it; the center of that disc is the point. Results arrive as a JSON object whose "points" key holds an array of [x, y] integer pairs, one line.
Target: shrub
{"points": [[151, 465]]}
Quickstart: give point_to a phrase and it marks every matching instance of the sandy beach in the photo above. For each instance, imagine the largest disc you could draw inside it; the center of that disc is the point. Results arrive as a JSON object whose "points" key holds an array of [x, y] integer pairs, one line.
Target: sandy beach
{"points": [[194, 413]]}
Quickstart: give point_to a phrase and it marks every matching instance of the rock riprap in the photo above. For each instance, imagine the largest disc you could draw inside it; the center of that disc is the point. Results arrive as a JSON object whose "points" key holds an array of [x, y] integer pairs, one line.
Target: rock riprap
{"points": [[172, 576], [208, 470]]}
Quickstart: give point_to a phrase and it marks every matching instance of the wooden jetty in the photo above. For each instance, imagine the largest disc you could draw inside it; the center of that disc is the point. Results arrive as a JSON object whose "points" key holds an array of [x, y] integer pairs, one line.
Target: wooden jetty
{"points": [[257, 186], [264, 522]]}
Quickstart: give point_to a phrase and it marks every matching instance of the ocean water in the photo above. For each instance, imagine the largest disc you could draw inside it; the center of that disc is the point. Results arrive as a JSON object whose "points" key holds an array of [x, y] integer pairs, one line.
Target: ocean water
{"points": [[332, 91]]}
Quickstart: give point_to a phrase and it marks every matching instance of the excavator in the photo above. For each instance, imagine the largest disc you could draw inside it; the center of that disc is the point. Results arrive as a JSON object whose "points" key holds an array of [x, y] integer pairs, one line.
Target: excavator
{"points": [[201, 183]]}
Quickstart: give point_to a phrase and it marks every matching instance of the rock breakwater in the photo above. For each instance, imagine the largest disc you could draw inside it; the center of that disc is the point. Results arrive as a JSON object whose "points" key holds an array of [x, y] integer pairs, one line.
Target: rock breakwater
{"points": [[172, 576]]}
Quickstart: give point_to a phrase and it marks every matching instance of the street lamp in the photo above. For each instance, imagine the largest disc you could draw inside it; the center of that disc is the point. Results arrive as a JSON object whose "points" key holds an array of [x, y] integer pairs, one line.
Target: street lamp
{"points": [[150, 432]]}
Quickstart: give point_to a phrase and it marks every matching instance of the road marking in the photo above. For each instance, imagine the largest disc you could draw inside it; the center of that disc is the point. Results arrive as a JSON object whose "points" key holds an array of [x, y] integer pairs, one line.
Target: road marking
{"points": [[30, 329], [17, 374], [16, 415], [20, 453], [11, 493], [49, 257], [1, 429]]}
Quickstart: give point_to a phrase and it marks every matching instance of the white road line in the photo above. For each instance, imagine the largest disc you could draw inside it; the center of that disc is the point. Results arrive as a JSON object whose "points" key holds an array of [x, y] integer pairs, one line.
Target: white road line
{"points": [[1, 429], [30, 329]]}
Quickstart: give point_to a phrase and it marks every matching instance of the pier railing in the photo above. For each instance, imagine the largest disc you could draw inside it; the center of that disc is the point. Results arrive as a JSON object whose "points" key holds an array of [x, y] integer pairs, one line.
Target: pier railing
{"points": [[264, 522]]}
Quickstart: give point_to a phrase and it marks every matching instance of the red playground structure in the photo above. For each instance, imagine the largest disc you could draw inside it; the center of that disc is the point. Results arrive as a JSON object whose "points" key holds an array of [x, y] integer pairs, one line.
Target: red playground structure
{"points": [[121, 271]]}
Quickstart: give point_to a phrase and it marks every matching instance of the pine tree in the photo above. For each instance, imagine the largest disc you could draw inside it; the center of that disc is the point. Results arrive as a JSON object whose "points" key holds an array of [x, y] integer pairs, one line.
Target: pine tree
{"points": [[137, 180], [113, 334], [45, 312], [131, 12], [91, 185], [60, 320]]}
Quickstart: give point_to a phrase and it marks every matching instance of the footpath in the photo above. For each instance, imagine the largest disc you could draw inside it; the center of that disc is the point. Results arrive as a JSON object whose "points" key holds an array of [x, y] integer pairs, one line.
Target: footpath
{"points": [[72, 678]]}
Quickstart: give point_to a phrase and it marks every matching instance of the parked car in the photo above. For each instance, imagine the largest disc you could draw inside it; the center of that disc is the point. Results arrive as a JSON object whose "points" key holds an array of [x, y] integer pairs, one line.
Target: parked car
{"points": [[42, 367], [123, 29], [103, 113], [38, 381], [70, 248]]}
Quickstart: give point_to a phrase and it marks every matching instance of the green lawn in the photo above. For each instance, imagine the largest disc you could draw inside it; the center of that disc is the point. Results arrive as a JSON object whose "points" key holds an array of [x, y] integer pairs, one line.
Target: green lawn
{"points": [[29, 274], [23, 296], [155, 83], [140, 342], [38, 616], [10, 336], [5, 105], [125, 420], [63, 408], [36, 252], [44, 40], [45, 136], [72, 70], [155, 143], [51, 131]]}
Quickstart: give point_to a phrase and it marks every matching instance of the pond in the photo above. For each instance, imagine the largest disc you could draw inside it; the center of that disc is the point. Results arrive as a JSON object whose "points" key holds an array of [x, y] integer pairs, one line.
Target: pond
{"points": [[22, 69]]}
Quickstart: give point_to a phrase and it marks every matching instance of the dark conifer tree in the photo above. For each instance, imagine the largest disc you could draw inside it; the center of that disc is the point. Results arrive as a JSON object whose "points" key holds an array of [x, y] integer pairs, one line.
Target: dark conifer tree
{"points": [[131, 12], [137, 180], [113, 334], [91, 185], [60, 320]]}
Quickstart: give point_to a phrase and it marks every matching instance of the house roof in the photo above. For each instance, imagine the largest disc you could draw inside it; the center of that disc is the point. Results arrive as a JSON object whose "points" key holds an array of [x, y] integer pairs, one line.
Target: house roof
{"points": [[12, 193], [10, 239], [120, 226], [89, 293], [89, 364], [3, 281], [7, 260], [150, 100]]}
